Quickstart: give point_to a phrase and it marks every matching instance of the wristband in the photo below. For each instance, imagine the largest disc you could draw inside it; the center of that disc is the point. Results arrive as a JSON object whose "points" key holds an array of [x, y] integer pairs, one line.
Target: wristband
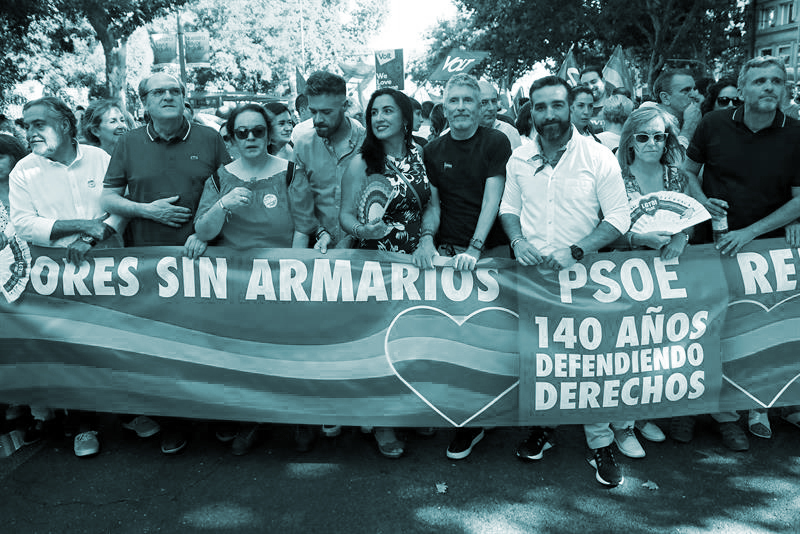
{"points": [[515, 241], [321, 230], [426, 232], [354, 230], [226, 210]]}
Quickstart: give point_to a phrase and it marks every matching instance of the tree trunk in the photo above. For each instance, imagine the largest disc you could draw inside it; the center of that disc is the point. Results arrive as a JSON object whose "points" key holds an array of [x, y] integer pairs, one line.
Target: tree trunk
{"points": [[117, 72]]}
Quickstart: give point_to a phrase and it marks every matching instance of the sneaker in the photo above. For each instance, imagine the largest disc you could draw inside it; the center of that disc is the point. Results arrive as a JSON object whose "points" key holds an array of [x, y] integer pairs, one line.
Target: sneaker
{"points": [[533, 448], [626, 441], [303, 438], [245, 439], [331, 431], [607, 472], [226, 432], [758, 422], [734, 437], [462, 444], [681, 429], [86, 444], [143, 426], [650, 431], [174, 441]]}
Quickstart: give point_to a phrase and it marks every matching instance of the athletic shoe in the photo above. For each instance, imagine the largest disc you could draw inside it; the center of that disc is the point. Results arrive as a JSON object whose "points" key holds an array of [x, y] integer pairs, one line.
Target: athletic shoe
{"points": [[143, 426], [245, 439], [626, 441], [650, 431], [734, 437], [174, 441], [533, 448], [462, 444], [331, 431], [86, 444], [607, 472], [226, 432]]}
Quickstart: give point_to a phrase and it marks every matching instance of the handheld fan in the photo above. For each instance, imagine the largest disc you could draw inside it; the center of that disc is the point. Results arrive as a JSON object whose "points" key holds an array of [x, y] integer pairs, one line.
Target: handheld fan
{"points": [[666, 211]]}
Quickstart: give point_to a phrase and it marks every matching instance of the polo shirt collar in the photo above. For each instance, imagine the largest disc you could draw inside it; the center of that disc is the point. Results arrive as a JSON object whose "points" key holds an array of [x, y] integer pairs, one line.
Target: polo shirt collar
{"points": [[182, 135], [778, 122]]}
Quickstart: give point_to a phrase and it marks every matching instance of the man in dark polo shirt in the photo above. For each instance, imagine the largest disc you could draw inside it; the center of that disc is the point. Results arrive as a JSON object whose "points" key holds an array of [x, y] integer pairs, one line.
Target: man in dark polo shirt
{"points": [[164, 167], [751, 176], [467, 171], [751, 159]]}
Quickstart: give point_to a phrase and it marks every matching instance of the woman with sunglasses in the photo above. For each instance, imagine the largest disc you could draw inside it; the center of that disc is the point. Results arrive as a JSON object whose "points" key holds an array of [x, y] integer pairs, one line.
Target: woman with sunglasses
{"points": [[721, 95], [384, 193], [649, 155], [255, 201]]}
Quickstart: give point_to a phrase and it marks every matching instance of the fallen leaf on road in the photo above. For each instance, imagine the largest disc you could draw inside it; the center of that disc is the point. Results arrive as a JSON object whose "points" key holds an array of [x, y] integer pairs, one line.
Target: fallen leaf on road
{"points": [[650, 485], [441, 487]]}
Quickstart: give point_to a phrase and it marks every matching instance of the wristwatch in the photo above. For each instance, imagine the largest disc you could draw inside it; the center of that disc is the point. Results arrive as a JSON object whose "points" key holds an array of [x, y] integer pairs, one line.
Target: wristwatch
{"points": [[86, 238], [577, 252]]}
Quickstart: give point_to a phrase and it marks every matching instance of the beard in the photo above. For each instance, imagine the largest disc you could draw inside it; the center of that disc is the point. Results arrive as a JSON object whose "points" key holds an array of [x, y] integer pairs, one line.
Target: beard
{"points": [[553, 130], [47, 143]]}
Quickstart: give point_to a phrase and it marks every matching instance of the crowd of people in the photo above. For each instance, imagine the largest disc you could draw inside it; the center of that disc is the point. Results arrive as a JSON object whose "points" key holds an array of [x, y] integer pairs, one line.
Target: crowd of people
{"points": [[456, 179]]}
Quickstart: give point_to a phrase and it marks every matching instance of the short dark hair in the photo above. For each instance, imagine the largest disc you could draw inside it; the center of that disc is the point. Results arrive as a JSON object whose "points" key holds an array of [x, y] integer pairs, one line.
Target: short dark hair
{"points": [[93, 116], [548, 81], [580, 89], [300, 102], [325, 83], [415, 105], [592, 68], [663, 83], [247, 107], [276, 108], [57, 106]]}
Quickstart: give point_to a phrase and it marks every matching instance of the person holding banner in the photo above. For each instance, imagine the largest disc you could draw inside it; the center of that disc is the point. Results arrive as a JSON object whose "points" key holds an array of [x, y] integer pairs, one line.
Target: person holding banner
{"points": [[384, 194], [555, 190], [466, 168]]}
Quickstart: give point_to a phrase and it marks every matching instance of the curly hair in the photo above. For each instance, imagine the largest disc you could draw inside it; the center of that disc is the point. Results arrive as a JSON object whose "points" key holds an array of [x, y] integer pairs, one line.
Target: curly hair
{"points": [[713, 92], [673, 151], [372, 149]]}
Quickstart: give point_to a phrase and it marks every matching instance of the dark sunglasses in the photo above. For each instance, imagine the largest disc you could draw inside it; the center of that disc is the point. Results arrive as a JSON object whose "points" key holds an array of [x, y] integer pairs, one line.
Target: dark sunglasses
{"points": [[725, 100], [657, 137], [258, 132]]}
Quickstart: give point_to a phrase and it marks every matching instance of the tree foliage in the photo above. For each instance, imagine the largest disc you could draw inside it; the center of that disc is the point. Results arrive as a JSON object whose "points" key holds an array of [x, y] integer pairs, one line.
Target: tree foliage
{"points": [[520, 33]]}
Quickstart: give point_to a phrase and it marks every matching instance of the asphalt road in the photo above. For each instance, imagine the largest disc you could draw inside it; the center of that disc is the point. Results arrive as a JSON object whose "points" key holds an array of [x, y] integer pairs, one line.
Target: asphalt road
{"points": [[344, 485]]}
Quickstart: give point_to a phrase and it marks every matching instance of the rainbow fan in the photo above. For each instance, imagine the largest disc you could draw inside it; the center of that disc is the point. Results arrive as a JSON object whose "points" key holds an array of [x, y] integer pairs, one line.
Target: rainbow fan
{"points": [[666, 211], [15, 268], [375, 198]]}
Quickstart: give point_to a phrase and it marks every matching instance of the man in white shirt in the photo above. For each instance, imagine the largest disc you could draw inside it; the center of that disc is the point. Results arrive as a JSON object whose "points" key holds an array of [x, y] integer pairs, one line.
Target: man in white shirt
{"points": [[489, 114], [555, 189], [54, 195]]}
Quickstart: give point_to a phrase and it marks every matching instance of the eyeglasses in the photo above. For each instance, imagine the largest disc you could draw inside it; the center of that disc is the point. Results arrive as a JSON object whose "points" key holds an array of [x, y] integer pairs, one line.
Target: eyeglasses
{"points": [[258, 132], [659, 137], [160, 92], [725, 100]]}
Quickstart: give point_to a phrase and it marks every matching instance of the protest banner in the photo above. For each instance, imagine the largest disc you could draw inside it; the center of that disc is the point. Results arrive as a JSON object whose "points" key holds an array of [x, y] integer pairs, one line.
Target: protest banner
{"points": [[389, 69], [365, 338]]}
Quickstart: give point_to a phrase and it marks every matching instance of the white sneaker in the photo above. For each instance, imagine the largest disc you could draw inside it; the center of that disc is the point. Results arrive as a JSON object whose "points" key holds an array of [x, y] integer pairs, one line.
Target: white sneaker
{"points": [[331, 431], [626, 441], [86, 444], [143, 426], [650, 431]]}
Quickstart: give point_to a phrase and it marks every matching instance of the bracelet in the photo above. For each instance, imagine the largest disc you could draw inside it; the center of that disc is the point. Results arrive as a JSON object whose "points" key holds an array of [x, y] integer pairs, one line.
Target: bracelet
{"points": [[476, 243], [685, 235], [515, 241], [320, 231], [426, 232], [222, 206], [354, 230]]}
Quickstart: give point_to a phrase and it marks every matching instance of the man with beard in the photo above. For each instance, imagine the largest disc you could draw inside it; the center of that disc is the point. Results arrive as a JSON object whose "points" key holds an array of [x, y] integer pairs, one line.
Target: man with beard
{"points": [[323, 155], [555, 189], [467, 167], [489, 114], [592, 77], [751, 176], [54, 194]]}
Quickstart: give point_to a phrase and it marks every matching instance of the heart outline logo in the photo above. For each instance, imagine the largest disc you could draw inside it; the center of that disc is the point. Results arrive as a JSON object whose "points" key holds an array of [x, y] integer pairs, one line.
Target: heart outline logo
{"points": [[459, 322]]}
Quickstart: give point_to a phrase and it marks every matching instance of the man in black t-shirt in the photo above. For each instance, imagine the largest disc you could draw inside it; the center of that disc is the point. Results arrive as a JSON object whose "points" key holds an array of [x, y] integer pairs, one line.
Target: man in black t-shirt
{"points": [[467, 171]]}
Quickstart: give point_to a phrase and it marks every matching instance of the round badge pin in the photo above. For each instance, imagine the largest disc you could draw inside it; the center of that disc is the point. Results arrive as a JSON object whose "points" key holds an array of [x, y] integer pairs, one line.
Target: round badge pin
{"points": [[270, 201]]}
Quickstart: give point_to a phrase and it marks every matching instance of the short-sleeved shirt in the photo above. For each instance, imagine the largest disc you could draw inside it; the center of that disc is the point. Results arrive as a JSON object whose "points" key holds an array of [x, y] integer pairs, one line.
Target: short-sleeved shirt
{"points": [[153, 168], [459, 170], [318, 161], [271, 218], [754, 172]]}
